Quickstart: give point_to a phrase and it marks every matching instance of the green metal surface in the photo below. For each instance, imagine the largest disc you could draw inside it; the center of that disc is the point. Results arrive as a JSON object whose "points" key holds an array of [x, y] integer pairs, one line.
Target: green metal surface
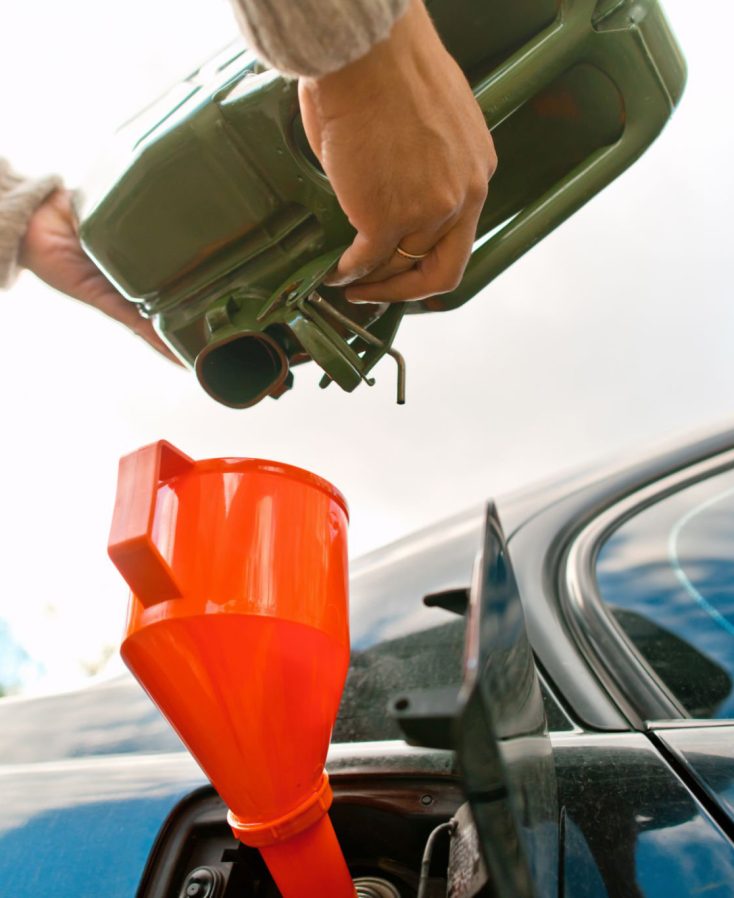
{"points": [[212, 214]]}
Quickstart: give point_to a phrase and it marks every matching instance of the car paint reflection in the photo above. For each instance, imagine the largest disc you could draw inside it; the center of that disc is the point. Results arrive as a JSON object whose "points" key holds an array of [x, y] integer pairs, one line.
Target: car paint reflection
{"points": [[86, 828], [708, 753], [631, 823]]}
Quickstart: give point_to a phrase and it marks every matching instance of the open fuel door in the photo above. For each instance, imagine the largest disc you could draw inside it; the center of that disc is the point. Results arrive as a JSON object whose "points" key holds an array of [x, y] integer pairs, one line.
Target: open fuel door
{"points": [[496, 723]]}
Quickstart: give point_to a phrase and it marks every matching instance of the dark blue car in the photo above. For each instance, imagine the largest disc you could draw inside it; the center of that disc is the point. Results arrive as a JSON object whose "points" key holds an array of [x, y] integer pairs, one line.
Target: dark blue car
{"points": [[554, 672]]}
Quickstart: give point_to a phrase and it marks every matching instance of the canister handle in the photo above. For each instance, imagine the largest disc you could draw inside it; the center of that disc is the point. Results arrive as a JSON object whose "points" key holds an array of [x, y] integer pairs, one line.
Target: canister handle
{"points": [[131, 546]]}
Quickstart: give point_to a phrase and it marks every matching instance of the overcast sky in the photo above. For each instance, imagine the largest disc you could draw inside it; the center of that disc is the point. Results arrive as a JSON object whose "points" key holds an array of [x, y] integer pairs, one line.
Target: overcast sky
{"points": [[615, 332]]}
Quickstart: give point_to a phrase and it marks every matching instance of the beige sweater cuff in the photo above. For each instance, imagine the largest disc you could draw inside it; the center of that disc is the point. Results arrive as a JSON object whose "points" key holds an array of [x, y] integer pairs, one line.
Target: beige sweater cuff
{"points": [[19, 199], [315, 37]]}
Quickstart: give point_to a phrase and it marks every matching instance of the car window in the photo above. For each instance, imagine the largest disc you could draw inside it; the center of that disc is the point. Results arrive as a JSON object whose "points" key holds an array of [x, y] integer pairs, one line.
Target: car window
{"points": [[667, 575]]}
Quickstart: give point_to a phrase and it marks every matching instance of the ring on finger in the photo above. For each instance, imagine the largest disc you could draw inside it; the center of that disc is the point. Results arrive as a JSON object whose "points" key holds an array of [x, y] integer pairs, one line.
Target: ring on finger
{"points": [[415, 257]]}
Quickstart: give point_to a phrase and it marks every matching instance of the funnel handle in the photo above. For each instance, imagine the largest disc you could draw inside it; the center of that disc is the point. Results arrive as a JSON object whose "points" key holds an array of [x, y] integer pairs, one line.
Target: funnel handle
{"points": [[131, 546]]}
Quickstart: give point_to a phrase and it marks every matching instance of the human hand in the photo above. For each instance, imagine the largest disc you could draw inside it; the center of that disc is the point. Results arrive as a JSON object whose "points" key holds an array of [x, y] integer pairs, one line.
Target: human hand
{"points": [[51, 250], [409, 155]]}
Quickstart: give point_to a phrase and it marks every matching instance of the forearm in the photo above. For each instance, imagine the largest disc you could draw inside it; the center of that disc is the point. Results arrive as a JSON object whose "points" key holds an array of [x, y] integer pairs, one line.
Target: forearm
{"points": [[19, 199], [314, 37]]}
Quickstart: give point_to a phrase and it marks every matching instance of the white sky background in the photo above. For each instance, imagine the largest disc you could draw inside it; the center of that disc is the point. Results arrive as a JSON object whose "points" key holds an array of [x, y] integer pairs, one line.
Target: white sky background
{"points": [[616, 331]]}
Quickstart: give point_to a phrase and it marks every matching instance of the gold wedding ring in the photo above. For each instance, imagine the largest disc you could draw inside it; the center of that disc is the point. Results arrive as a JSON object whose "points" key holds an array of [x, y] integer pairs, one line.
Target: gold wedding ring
{"points": [[414, 256]]}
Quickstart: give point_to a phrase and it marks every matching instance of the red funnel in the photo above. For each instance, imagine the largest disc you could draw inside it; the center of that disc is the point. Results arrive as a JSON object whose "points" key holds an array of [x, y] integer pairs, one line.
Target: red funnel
{"points": [[238, 630]]}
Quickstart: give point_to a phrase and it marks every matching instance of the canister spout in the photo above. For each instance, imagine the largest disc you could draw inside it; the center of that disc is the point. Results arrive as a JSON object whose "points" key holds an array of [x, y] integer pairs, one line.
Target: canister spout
{"points": [[242, 368]]}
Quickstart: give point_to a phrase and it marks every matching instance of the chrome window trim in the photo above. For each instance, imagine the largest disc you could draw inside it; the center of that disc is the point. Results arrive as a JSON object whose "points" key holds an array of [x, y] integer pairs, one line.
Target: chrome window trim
{"points": [[692, 723], [628, 678]]}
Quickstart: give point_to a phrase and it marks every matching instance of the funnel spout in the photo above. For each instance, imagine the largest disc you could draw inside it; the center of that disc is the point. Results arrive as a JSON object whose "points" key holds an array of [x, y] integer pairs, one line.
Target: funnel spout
{"points": [[311, 861]]}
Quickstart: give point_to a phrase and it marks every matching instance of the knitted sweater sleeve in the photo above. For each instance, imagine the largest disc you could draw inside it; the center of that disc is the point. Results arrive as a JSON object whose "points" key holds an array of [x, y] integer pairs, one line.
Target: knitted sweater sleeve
{"points": [[19, 199], [315, 37]]}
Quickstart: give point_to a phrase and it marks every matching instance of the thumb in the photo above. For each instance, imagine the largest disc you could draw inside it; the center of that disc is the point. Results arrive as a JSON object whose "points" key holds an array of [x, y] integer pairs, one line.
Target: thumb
{"points": [[363, 256]]}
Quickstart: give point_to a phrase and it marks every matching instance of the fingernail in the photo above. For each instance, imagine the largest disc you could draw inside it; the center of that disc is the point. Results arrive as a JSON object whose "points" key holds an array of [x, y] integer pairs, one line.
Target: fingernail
{"points": [[339, 280]]}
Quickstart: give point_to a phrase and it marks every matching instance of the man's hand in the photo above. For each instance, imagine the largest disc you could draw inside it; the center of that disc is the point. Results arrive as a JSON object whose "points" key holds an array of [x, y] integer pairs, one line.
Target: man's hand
{"points": [[407, 150], [51, 250]]}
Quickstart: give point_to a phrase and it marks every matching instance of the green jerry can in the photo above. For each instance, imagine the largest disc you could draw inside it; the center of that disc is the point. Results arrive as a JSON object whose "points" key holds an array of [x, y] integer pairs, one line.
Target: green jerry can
{"points": [[212, 214]]}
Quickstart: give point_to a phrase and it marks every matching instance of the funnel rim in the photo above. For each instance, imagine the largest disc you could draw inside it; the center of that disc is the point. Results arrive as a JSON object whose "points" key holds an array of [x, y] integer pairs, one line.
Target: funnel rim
{"points": [[236, 465], [293, 822]]}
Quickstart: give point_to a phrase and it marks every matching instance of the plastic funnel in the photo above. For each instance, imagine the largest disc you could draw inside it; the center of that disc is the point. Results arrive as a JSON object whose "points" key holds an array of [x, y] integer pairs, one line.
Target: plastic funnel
{"points": [[238, 630]]}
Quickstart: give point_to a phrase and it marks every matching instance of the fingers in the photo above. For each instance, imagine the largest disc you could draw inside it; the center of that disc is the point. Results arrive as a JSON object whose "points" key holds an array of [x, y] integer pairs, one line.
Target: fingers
{"points": [[51, 250], [116, 306], [146, 330], [440, 272], [418, 243], [366, 254], [372, 259], [447, 242], [372, 255]]}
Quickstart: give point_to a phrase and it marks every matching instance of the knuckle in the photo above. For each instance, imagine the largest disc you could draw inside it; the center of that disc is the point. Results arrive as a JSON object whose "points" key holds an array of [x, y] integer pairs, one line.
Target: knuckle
{"points": [[433, 210], [414, 216], [492, 161], [477, 192], [368, 233], [445, 206], [446, 282], [379, 238]]}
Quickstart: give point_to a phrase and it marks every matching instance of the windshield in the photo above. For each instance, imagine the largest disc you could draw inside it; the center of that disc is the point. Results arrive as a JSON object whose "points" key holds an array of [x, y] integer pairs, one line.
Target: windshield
{"points": [[668, 576]]}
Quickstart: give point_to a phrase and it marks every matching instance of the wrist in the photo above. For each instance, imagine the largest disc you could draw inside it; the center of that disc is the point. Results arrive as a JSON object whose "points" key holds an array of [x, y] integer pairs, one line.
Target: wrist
{"points": [[389, 64]]}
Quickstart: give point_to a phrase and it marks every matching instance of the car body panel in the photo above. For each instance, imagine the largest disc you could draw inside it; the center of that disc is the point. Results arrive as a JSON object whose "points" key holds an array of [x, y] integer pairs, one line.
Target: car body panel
{"points": [[632, 828], [86, 827], [706, 752]]}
